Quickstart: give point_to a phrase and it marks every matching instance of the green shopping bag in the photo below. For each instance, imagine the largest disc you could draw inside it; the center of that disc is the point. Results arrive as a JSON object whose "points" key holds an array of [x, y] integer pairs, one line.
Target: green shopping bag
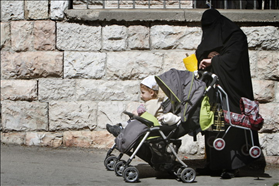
{"points": [[206, 115]]}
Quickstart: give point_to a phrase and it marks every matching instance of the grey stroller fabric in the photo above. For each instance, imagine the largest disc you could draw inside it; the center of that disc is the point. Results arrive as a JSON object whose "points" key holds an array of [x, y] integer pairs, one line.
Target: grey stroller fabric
{"points": [[183, 89], [129, 136]]}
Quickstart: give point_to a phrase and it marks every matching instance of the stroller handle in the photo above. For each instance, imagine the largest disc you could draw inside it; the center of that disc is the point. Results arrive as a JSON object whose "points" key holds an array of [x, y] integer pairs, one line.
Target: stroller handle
{"points": [[213, 76], [141, 119]]}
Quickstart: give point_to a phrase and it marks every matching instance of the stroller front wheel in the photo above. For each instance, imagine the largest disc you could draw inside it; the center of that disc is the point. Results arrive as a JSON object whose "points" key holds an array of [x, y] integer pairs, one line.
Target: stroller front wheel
{"points": [[131, 174], [245, 149], [110, 162], [188, 175], [119, 167]]}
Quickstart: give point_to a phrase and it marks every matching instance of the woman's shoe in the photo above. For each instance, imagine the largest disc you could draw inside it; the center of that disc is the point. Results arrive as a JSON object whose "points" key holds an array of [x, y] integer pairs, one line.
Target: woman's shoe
{"points": [[228, 174]]}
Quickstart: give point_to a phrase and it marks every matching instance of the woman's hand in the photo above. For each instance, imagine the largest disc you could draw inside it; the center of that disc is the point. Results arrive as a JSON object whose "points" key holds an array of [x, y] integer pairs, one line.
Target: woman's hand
{"points": [[205, 63], [212, 54]]}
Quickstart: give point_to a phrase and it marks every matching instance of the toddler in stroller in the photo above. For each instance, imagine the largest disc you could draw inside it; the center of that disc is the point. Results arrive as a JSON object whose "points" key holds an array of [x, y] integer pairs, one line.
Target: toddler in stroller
{"points": [[152, 103], [152, 107], [158, 145]]}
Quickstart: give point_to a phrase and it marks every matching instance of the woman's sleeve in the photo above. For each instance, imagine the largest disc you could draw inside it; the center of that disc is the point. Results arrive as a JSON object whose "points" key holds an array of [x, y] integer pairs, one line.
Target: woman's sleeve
{"points": [[230, 55]]}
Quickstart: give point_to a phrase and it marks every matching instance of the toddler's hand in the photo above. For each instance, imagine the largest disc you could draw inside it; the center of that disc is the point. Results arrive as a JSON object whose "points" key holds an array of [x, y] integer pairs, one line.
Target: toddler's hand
{"points": [[141, 109]]}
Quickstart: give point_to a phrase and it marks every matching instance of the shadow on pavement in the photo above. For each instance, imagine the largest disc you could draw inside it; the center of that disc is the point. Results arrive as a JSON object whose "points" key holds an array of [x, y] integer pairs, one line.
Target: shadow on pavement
{"points": [[256, 169]]}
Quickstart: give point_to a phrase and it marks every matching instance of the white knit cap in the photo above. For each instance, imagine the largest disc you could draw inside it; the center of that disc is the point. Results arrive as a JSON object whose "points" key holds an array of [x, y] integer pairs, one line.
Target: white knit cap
{"points": [[150, 82]]}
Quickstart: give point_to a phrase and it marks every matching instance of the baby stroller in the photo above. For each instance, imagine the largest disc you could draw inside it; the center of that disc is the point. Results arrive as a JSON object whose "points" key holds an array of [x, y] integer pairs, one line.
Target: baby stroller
{"points": [[224, 120], [158, 145], [248, 120]]}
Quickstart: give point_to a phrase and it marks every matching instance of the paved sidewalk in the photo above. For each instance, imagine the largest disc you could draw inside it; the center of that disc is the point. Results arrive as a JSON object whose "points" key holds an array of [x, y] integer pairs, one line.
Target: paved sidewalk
{"points": [[74, 166]]}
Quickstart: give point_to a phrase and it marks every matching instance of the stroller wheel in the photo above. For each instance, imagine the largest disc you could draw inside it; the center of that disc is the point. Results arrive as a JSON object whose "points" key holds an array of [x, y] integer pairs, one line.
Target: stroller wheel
{"points": [[188, 175], [219, 144], [131, 174], [255, 152], [110, 162], [178, 172], [245, 149], [210, 140], [119, 167]]}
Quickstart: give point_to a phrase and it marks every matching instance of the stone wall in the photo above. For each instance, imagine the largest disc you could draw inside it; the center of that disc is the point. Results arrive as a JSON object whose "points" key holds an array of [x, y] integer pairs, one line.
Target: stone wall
{"points": [[63, 80]]}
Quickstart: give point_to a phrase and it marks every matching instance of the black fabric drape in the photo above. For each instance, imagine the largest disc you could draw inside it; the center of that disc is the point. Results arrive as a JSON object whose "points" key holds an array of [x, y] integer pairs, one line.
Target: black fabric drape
{"points": [[232, 64]]}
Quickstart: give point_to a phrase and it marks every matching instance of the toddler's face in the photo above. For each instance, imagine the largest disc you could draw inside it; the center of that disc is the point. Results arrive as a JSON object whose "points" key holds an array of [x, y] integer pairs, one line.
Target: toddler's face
{"points": [[145, 95]]}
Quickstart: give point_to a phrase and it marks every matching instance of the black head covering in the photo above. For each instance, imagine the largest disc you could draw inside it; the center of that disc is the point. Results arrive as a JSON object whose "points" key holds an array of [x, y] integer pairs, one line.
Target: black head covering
{"points": [[216, 30]]}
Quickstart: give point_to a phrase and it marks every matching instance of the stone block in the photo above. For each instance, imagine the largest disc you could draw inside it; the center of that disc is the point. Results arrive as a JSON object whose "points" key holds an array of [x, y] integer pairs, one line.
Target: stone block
{"points": [[267, 143], [268, 65], [29, 65], [253, 59], [100, 90], [72, 115], [111, 112], [175, 60], [23, 90], [270, 113], [158, 4], [88, 139], [264, 37], [44, 35], [277, 92], [84, 65], [15, 138], [12, 10], [264, 90], [36, 9], [73, 36], [191, 38], [5, 35], [175, 37], [115, 37], [132, 106], [24, 116], [49, 139], [56, 89], [133, 65], [272, 160], [22, 35], [78, 4], [57, 8], [138, 37]]}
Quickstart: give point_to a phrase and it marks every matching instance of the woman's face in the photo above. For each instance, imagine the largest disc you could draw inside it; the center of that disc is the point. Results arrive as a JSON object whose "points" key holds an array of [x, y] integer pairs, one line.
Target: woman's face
{"points": [[146, 95]]}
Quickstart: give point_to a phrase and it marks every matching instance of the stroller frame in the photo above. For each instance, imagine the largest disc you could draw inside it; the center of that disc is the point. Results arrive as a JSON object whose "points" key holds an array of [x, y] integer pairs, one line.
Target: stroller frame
{"points": [[131, 174], [178, 167], [219, 143]]}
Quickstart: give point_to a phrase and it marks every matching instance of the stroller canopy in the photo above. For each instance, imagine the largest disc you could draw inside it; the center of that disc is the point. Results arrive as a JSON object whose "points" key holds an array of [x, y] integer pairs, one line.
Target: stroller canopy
{"points": [[183, 89]]}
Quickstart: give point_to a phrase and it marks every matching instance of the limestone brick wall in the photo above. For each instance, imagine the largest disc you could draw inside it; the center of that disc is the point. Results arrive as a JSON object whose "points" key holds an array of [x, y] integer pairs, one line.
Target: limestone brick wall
{"points": [[62, 81]]}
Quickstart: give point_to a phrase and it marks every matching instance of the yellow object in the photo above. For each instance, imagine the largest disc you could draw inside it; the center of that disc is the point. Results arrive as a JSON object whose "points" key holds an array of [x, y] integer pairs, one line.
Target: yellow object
{"points": [[191, 63]]}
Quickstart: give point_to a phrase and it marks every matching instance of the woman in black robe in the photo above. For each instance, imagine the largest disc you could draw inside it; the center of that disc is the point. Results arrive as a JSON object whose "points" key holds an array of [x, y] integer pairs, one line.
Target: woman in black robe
{"points": [[224, 51]]}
